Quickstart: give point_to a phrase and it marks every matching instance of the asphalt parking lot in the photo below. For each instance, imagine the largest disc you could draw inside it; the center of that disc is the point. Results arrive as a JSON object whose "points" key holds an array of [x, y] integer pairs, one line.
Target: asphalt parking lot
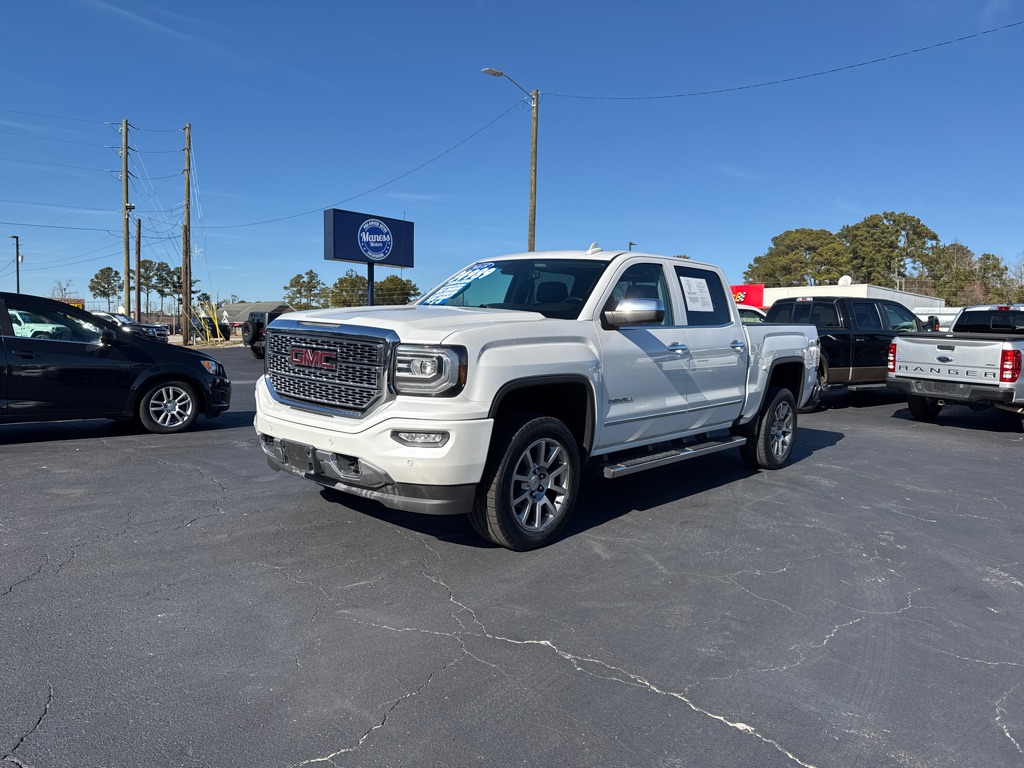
{"points": [[170, 601]]}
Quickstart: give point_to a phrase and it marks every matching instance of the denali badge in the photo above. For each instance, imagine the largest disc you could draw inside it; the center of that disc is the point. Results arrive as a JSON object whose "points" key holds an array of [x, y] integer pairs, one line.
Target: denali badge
{"points": [[314, 358]]}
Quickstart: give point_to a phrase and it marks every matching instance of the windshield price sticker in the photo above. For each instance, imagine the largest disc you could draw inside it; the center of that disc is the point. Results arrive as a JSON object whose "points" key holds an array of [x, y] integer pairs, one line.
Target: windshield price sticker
{"points": [[459, 282]]}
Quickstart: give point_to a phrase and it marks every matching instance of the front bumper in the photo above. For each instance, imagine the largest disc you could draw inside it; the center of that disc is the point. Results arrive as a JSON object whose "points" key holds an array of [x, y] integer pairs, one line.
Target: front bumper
{"points": [[362, 455], [359, 477], [218, 398]]}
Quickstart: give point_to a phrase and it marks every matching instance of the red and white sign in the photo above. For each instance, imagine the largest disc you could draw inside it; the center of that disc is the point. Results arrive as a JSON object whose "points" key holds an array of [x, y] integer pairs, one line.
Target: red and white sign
{"points": [[752, 295]]}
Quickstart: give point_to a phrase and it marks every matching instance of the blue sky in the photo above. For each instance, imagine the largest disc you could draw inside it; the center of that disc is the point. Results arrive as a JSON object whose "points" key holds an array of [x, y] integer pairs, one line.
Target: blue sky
{"points": [[380, 107]]}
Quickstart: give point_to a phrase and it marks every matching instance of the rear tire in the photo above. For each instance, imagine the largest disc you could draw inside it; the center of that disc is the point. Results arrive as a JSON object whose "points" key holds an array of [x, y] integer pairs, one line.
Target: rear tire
{"points": [[923, 408], [530, 484], [770, 446]]}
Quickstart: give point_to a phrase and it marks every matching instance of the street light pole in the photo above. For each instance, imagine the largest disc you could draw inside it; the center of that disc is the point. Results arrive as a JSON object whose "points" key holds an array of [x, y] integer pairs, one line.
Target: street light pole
{"points": [[535, 103], [17, 263]]}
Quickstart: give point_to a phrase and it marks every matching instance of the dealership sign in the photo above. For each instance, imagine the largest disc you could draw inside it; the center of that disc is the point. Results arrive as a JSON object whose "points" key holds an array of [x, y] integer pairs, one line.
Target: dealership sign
{"points": [[367, 239]]}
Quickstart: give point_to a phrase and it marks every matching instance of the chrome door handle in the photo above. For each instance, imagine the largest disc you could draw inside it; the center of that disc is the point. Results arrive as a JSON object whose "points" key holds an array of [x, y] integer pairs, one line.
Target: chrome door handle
{"points": [[680, 348], [739, 346]]}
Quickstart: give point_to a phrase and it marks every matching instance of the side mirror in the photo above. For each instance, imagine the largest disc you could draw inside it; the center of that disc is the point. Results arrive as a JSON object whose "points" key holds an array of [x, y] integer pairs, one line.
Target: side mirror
{"points": [[109, 337], [634, 312]]}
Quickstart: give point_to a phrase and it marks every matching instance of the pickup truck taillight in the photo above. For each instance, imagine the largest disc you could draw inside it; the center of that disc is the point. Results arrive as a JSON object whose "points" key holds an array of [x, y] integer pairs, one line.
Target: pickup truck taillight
{"points": [[892, 358], [1009, 365]]}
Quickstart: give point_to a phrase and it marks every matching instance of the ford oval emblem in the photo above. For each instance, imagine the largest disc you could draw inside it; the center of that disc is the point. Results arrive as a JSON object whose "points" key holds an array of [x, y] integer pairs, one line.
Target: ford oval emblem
{"points": [[944, 359]]}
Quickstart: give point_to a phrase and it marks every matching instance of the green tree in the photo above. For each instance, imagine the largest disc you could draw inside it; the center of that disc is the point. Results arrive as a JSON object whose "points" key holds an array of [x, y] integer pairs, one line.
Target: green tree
{"points": [[886, 247], [106, 284], [306, 291], [394, 290], [800, 257], [349, 290], [147, 279]]}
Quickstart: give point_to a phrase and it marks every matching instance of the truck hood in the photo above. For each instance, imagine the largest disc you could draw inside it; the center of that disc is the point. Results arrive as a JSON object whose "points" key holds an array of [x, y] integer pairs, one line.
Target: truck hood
{"points": [[413, 322]]}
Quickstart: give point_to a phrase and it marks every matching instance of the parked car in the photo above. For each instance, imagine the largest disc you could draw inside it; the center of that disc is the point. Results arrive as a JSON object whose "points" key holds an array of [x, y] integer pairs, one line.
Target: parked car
{"points": [[750, 315], [28, 325], [128, 324], [87, 367], [853, 334]]}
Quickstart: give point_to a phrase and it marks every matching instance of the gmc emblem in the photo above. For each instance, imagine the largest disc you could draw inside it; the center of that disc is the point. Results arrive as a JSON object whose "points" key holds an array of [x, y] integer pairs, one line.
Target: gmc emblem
{"points": [[314, 358]]}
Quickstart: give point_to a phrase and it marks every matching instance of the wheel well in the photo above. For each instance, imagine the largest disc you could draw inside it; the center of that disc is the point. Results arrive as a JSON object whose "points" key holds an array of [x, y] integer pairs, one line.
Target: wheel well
{"points": [[568, 401], [789, 376]]}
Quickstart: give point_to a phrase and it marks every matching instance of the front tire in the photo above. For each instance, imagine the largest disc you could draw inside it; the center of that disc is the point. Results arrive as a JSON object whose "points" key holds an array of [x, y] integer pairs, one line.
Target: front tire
{"points": [[169, 407], [923, 408], [530, 484], [770, 446]]}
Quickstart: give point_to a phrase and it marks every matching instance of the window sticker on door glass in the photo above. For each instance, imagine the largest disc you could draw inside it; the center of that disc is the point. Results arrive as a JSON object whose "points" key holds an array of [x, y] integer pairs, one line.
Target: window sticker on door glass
{"points": [[457, 283], [697, 294]]}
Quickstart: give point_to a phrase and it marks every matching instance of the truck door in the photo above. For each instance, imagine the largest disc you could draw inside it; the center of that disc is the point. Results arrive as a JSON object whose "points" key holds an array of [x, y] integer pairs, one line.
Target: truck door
{"points": [[871, 340], [835, 340], [718, 356], [645, 374]]}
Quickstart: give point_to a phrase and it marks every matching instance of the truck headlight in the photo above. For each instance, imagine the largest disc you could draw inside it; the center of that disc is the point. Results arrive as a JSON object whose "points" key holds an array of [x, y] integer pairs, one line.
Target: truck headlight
{"points": [[429, 371]]}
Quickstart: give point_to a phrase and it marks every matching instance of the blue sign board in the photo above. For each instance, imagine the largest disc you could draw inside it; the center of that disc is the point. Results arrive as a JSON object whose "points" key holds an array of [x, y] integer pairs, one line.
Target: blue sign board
{"points": [[367, 239]]}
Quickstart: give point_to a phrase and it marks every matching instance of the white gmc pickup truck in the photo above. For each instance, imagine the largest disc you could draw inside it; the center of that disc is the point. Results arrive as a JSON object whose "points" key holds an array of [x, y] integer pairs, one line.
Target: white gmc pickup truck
{"points": [[488, 395], [977, 363]]}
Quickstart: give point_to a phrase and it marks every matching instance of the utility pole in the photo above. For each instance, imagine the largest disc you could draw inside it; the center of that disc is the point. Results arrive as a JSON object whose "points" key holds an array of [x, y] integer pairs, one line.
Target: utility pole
{"points": [[186, 248], [532, 238], [127, 209], [17, 263], [138, 269]]}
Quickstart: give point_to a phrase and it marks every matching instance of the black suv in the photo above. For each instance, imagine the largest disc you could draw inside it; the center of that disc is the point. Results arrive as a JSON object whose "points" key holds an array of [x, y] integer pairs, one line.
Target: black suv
{"points": [[59, 362], [853, 335], [254, 332]]}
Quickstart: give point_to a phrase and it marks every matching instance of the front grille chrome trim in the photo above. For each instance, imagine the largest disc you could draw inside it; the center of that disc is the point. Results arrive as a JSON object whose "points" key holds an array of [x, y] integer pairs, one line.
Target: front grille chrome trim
{"points": [[343, 371]]}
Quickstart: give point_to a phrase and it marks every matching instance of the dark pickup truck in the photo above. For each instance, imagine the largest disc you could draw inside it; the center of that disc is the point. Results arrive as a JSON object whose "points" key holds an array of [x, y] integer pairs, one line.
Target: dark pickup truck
{"points": [[854, 335]]}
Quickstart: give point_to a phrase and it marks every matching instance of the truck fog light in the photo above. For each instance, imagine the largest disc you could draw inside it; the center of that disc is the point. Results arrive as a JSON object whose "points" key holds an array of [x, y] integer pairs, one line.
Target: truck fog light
{"points": [[420, 439]]}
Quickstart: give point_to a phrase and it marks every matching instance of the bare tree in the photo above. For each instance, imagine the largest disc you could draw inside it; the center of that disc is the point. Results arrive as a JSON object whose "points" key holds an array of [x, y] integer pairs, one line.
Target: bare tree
{"points": [[61, 289]]}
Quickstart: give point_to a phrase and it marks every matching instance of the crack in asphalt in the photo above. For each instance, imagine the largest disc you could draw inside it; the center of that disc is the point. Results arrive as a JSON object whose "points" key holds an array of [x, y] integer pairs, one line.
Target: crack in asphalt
{"points": [[593, 667], [59, 567], [1000, 713], [10, 756]]}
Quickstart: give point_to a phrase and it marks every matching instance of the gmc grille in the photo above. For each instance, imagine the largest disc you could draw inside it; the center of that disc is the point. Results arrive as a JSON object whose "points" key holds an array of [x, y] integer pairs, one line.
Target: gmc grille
{"points": [[329, 370]]}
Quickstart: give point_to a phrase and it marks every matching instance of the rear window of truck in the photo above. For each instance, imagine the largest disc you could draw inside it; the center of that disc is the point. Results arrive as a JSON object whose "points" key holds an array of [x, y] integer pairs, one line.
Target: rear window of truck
{"points": [[990, 321]]}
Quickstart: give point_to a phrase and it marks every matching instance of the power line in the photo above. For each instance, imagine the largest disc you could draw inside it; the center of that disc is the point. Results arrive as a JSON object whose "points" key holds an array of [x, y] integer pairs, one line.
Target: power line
{"points": [[796, 77], [52, 226], [47, 138], [55, 165], [54, 117], [379, 186]]}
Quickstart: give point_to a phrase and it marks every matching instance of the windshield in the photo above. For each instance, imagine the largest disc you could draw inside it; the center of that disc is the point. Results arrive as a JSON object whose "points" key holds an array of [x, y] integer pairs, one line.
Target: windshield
{"points": [[552, 287]]}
